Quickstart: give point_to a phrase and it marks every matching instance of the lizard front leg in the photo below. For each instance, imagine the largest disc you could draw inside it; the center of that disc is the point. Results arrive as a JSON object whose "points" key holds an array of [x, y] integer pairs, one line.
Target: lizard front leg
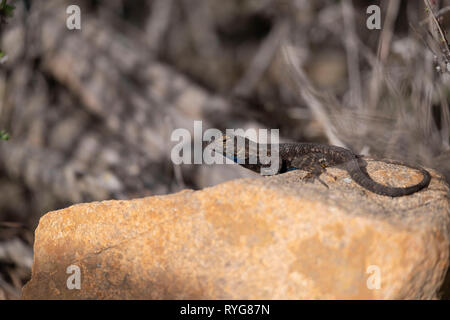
{"points": [[314, 164]]}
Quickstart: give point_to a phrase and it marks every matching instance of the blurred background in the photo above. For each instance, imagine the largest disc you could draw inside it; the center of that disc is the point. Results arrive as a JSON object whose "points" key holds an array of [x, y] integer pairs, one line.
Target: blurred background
{"points": [[89, 113]]}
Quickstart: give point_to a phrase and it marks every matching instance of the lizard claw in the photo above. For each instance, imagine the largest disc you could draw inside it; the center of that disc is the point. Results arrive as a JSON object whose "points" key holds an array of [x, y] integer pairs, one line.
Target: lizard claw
{"points": [[330, 175], [320, 180], [309, 177]]}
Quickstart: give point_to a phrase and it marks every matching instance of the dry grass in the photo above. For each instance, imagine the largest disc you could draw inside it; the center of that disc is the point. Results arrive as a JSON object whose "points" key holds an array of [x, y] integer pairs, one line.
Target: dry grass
{"points": [[309, 68]]}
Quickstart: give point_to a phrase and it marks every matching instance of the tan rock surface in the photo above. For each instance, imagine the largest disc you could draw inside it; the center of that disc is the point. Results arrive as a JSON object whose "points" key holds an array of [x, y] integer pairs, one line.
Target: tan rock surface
{"points": [[265, 238]]}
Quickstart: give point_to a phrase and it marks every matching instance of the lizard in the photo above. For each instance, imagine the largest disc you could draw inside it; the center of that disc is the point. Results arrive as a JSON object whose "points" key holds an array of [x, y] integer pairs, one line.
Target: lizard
{"points": [[314, 158]]}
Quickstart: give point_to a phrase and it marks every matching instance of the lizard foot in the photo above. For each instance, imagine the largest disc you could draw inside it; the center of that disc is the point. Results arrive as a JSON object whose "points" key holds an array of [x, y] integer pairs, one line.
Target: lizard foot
{"points": [[310, 177], [330, 175]]}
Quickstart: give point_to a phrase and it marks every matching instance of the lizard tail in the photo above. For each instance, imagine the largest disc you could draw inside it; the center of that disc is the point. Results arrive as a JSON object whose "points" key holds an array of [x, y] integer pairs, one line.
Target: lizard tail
{"points": [[365, 181]]}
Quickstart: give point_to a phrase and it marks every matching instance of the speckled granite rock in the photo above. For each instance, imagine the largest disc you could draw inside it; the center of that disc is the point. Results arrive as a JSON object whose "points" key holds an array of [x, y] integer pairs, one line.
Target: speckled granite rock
{"points": [[263, 238]]}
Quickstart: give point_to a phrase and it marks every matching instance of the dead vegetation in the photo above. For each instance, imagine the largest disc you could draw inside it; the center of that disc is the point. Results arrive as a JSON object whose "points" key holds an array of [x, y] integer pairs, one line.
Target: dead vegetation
{"points": [[90, 112]]}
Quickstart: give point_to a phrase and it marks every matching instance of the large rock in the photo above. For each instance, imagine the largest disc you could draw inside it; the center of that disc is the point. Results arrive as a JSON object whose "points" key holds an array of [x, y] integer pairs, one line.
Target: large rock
{"points": [[265, 238]]}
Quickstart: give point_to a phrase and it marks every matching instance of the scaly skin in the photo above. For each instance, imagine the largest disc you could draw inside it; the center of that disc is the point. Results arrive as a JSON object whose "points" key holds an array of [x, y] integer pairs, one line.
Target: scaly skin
{"points": [[314, 158]]}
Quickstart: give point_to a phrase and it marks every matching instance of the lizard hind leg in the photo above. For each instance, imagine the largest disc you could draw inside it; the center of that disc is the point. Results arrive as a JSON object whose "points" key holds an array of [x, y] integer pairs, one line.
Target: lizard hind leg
{"points": [[313, 167]]}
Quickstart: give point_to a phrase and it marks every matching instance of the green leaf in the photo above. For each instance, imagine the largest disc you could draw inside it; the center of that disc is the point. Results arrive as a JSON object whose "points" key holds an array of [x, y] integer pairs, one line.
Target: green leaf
{"points": [[4, 135], [2, 54], [9, 10]]}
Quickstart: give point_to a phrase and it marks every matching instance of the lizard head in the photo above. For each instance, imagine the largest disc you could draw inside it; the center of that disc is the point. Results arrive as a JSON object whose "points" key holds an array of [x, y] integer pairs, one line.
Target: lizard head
{"points": [[231, 146]]}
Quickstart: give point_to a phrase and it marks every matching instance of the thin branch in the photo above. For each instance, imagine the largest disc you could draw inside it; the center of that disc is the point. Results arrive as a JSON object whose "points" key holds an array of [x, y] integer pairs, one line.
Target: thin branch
{"points": [[158, 22], [262, 59], [351, 47], [383, 51], [311, 97]]}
